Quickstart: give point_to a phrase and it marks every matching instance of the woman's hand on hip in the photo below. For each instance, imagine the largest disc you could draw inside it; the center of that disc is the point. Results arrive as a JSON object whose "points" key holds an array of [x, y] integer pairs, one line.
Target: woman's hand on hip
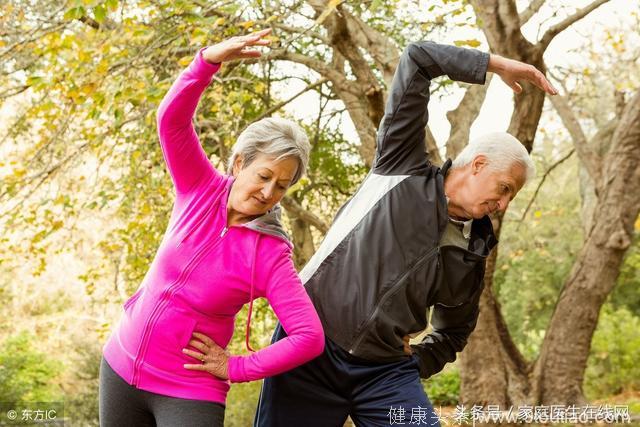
{"points": [[213, 358], [236, 47]]}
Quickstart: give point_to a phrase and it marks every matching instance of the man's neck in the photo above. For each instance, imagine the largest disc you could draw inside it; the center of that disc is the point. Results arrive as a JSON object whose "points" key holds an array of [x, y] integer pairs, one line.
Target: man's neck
{"points": [[452, 183]]}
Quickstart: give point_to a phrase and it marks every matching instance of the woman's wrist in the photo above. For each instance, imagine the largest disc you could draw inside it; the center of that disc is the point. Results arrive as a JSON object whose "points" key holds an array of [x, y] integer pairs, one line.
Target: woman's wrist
{"points": [[209, 57]]}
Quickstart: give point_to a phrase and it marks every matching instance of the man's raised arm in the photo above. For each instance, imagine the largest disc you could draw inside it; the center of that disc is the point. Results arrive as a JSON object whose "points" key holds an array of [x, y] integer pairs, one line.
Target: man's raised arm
{"points": [[400, 142]]}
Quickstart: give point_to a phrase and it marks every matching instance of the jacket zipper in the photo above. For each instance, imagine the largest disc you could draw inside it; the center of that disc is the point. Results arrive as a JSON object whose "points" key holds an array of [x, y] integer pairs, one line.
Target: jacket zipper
{"points": [[389, 292], [164, 300]]}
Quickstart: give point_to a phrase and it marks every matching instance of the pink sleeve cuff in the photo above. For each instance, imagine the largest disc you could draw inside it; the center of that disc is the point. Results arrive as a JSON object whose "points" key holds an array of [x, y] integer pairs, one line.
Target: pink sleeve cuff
{"points": [[203, 68], [236, 369]]}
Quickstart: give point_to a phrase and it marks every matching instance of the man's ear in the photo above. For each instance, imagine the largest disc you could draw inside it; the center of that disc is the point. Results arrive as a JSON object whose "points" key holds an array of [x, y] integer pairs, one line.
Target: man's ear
{"points": [[237, 164], [478, 163]]}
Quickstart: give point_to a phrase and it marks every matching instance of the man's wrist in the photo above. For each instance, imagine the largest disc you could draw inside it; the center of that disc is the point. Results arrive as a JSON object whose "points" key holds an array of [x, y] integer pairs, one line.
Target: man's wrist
{"points": [[496, 63]]}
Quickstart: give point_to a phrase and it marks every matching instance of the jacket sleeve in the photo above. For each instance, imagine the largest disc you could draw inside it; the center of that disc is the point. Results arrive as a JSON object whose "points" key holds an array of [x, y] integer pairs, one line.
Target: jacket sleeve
{"points": [[451, 329], [400, 141], [298, 317], [186, 160]]}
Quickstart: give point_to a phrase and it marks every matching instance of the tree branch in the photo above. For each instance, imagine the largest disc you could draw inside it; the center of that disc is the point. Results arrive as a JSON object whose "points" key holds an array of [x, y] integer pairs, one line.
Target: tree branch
{"points": [[629, 126], [295, 210], [13, 91], [501, 25], [463, 116], [322, 68], [544, 177], [279, 105], [591, 161], [531, 10], [561, 26], [432, 147]]}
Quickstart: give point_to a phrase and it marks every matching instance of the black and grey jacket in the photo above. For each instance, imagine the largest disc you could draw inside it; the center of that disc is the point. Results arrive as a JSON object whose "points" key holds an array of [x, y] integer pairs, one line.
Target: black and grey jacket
{"points": [[380, 267]]}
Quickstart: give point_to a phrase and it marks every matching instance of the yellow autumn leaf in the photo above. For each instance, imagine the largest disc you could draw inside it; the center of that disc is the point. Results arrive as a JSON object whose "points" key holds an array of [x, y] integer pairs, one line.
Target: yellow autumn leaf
{"points": [[247, 24], [236, 108], [537, 214], [331, 6], [637, 224], [470, 43], [219, 21], [88, 88], [184, 61], [102, 67]]}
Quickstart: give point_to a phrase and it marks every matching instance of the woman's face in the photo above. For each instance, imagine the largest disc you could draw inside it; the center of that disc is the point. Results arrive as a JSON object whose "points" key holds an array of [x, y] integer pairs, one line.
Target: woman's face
{"points": [[261, 184]]}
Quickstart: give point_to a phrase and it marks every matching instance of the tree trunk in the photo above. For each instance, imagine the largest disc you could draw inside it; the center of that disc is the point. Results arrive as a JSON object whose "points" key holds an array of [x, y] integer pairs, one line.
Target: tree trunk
{"points": [[492, 369], [560, 368], [303, 247]]}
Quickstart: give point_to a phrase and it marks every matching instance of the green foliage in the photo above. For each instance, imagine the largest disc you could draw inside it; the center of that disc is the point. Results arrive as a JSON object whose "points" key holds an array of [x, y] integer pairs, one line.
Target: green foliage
{"points": [[81, 403], [535, 256], [613, 362], [242, 401], [26, 374], [443, 389], [626, 294], [82, 144]]}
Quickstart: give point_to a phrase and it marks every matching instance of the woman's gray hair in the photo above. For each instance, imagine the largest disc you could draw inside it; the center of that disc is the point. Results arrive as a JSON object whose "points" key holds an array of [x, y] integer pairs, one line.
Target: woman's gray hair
{"points": [[502, 151], [274, 137]]}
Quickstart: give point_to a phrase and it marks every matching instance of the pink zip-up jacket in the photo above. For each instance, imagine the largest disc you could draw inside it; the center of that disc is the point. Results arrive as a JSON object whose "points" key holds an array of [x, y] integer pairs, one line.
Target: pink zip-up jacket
{"points": [[204, 272]]}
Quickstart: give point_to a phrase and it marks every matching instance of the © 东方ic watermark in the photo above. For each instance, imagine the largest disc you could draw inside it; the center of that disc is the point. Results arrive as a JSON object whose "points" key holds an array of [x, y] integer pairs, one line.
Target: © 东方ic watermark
{"points": [[31, 413]]}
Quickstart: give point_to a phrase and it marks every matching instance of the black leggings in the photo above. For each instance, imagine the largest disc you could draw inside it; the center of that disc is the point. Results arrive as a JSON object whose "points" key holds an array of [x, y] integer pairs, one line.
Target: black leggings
{"points": [[122, 405]]}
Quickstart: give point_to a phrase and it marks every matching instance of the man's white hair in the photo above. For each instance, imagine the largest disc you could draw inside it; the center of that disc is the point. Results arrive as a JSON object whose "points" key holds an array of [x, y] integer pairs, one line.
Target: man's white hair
{"points": [[275, 137], [502, 151]]}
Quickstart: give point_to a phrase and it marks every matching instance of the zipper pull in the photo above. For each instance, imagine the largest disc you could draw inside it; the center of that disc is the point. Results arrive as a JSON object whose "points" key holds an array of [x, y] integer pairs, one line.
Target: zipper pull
{"points": [[224, 231]]}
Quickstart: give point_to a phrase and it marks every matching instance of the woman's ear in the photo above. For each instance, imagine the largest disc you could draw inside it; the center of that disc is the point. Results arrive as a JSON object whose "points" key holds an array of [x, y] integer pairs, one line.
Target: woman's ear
{"points": [[237, 165]]}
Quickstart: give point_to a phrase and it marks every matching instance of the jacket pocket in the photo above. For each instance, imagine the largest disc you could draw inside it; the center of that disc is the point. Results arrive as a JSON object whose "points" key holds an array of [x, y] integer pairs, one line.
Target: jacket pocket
{"points": [[462, 276], [170, 334], [399, 310]]}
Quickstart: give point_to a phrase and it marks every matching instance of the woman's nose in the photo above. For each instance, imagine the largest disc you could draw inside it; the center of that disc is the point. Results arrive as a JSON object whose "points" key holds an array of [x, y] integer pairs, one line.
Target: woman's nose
{"points": [[267, 190]]}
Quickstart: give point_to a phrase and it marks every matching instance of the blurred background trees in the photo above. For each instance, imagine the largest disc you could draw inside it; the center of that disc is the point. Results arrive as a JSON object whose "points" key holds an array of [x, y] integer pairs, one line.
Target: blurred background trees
{"points": [[85, 198]]}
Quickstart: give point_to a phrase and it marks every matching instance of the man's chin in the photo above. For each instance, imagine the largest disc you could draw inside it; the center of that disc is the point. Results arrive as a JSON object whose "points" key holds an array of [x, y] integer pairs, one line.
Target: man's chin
{"points": [[481, 214]]}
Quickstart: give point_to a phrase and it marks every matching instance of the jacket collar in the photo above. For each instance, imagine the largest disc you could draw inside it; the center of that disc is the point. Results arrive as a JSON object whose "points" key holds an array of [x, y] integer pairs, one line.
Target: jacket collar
{"points": [[270, 224]]}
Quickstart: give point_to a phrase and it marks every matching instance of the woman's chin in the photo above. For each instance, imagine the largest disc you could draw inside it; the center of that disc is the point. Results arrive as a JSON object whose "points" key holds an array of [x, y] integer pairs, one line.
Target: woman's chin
{"points": [[254, 211]]}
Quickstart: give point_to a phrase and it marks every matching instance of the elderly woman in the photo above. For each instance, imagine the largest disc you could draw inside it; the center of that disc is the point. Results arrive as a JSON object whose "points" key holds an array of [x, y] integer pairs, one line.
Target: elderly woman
{"points": [[164, 363]]}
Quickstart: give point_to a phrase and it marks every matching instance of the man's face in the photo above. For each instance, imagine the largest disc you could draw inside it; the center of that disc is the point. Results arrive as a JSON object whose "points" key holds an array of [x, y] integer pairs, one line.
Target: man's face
{"points": [[487, 191]]}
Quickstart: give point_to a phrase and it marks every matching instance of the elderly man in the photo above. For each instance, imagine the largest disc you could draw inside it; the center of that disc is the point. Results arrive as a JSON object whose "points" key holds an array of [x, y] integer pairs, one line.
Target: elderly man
{"points": [[413, 238]]}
